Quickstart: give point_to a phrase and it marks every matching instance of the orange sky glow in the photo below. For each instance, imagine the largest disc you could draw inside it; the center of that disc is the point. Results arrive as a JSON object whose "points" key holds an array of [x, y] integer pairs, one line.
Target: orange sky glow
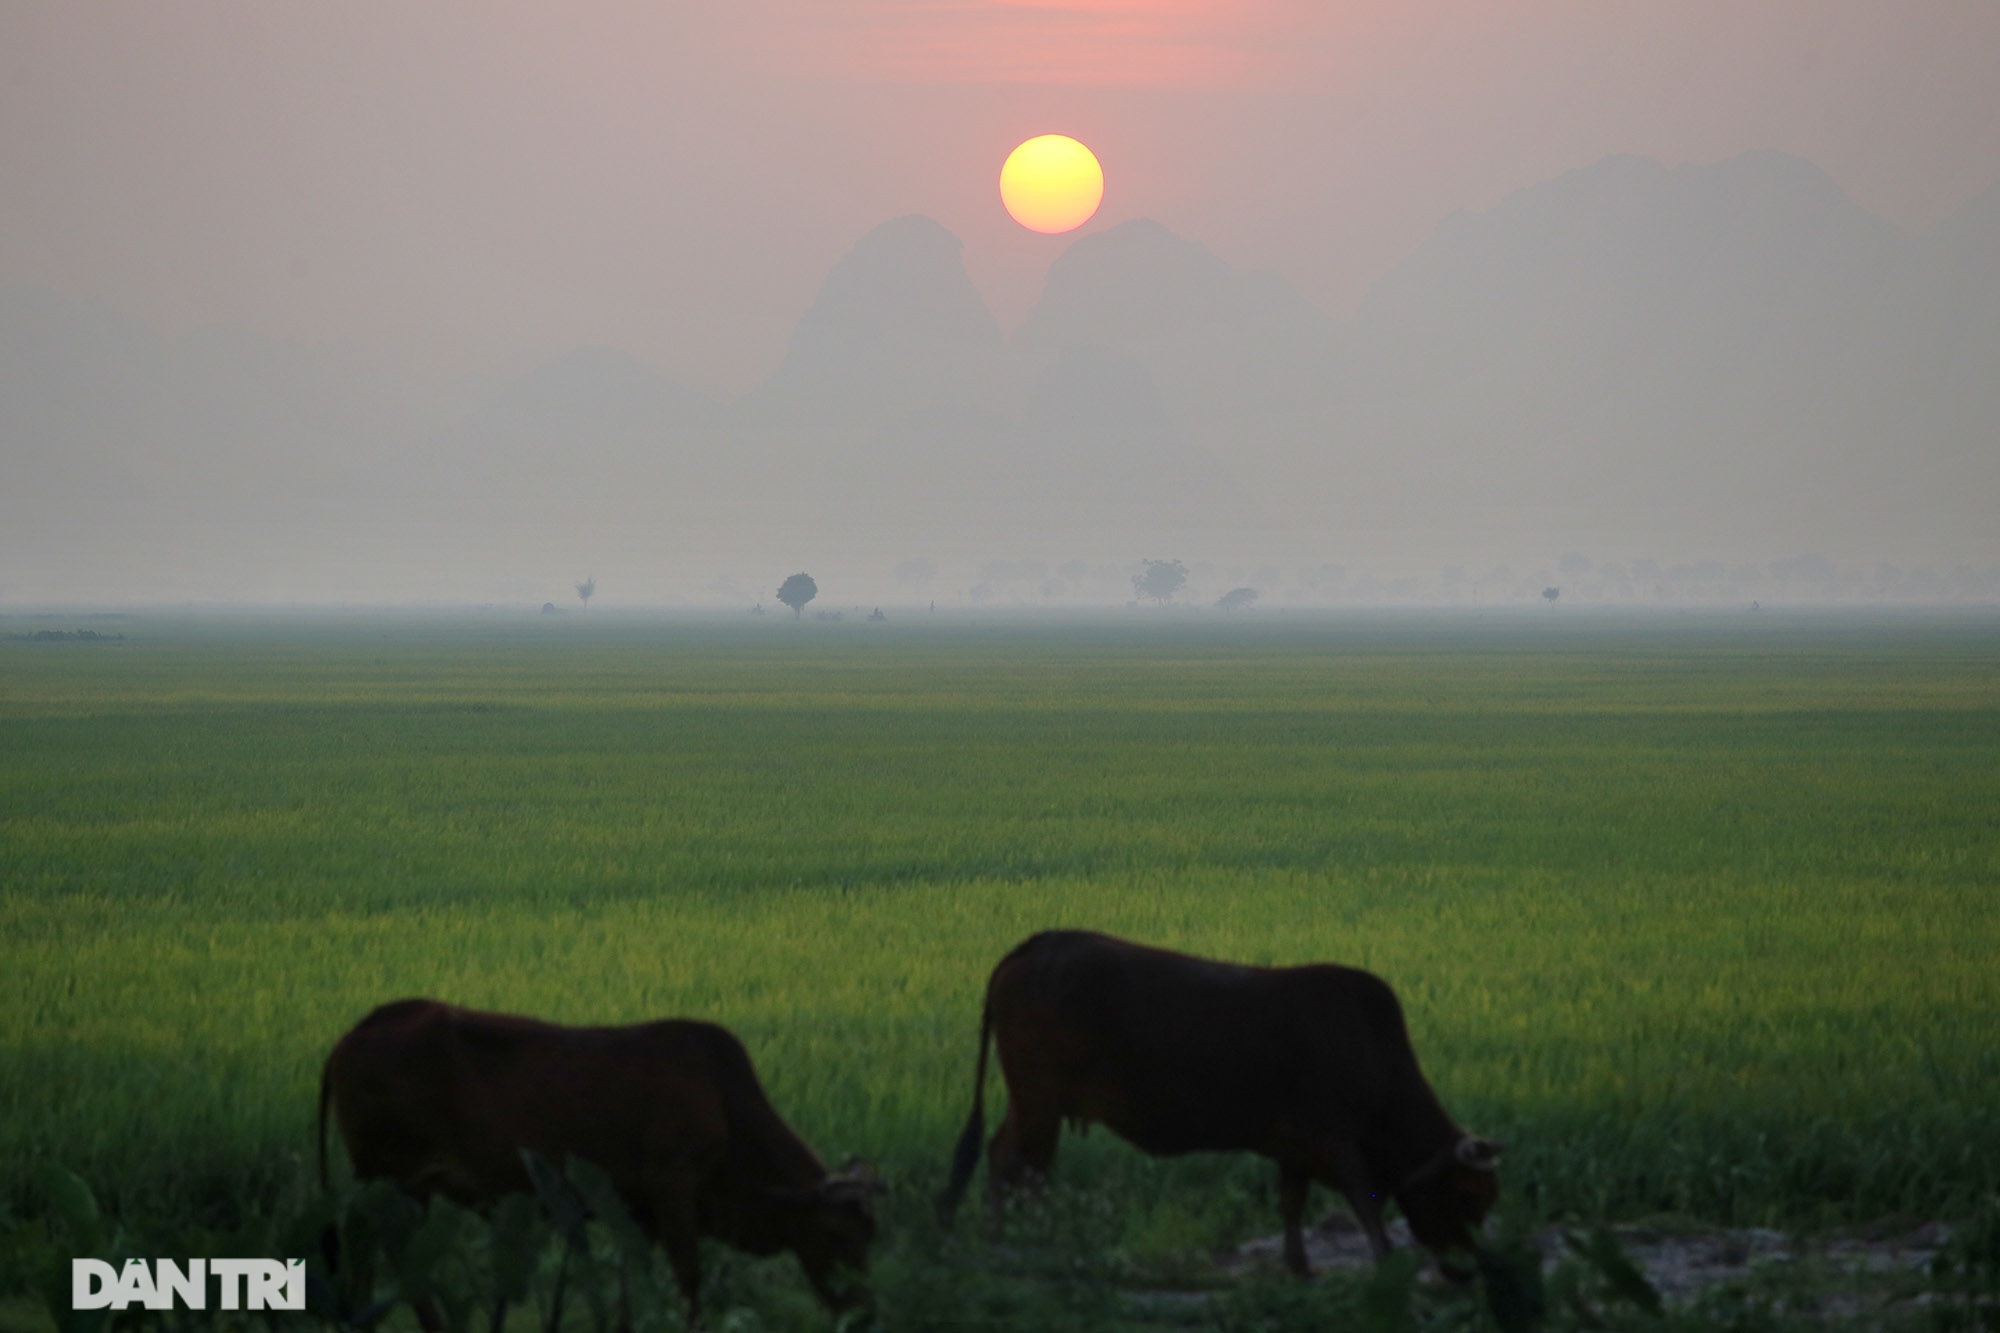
{"points": [[1131, 44], [471, 179]]}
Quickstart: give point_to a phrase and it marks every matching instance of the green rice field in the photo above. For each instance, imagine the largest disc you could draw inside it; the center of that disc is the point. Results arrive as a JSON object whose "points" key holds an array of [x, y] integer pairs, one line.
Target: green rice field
{"points": [[1698, 913]]}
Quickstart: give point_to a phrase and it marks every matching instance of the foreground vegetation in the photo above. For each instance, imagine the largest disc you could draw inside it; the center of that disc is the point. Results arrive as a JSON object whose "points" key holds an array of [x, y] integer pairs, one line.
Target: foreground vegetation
{"points": [[1697, 914]]}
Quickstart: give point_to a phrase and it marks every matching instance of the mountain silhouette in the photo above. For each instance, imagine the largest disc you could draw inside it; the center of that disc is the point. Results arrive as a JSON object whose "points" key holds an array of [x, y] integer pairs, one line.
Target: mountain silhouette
{"points": [[1730, 359], [1731, 268], [1734, 348], [897, 328], [898, 386], [1221, 342]]}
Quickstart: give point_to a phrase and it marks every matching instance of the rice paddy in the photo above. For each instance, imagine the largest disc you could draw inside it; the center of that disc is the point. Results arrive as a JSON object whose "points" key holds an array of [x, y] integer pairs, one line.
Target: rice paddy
{"points": [[1697, 913]]}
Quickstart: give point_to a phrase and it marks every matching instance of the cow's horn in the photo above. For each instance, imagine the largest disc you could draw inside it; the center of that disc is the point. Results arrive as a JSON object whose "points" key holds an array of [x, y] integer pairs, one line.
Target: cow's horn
{"points": [[1477, 1153]]}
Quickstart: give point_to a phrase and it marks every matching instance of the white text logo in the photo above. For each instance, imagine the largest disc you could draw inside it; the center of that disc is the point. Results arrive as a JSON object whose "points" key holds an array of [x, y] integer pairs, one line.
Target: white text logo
{"points": [[243, 1284]]}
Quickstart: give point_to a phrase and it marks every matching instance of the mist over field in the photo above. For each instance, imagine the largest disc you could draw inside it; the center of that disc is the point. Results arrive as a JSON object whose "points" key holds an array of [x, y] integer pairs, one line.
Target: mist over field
{"points": [[1701, 373]]}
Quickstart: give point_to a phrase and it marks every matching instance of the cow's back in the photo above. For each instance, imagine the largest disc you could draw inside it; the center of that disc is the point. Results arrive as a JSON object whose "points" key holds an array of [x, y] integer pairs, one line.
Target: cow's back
{"points": [[1178, 1053], [438, 1097]]}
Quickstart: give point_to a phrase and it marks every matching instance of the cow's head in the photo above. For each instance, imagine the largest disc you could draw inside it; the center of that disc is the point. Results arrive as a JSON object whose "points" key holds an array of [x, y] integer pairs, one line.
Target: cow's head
{"points": [[1448, 1197], [831, 1226]]}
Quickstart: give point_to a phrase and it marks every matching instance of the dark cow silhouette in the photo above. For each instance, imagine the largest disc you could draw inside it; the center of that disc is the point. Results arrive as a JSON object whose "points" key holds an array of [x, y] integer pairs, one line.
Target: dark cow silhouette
{"points": [[444, 1100], [1308, 1066]]}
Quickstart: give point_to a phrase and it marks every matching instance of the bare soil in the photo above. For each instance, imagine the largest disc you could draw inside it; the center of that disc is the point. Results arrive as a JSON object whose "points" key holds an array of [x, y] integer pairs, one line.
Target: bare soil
{"points": [[1682, 1264]]}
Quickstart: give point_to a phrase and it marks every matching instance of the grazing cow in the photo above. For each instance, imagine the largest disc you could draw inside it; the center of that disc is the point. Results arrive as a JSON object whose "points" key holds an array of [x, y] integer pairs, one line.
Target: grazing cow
{"points": [[1308, 1066], [443, 1100]]}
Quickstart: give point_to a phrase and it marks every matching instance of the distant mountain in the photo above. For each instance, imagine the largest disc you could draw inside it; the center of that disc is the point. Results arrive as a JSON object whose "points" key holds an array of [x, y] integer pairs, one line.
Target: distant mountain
{"points": [[899, 404], [1967, 245], [1222, 343], [1729, 272], [1088, 390], [897, 328], [1730, 348], [1722, 362], [1945, 320]]}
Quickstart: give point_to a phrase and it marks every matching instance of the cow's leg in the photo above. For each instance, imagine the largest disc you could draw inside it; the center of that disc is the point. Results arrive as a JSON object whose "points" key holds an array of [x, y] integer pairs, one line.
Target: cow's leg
{"points": [[1022, 1154], [672, 1205], [423, 1187], [429, 1315], [621, 1318], [1293, 1183], [1346, 1171]]}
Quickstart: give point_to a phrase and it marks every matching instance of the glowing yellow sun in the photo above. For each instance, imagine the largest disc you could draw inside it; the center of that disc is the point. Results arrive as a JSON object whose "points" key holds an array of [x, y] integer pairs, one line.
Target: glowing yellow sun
{"points": [[1051, 184]]}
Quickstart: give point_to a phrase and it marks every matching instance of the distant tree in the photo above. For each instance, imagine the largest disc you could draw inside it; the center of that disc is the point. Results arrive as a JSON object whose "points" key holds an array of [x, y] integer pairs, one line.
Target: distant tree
{"points": [[587, 589], [1162, 579], [1549, 595], [796, 591], [1235, 598]]}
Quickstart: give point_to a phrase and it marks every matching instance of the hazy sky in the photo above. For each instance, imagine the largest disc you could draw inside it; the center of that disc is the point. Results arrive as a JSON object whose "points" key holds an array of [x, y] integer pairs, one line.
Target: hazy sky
{"points": [[474, 183]]}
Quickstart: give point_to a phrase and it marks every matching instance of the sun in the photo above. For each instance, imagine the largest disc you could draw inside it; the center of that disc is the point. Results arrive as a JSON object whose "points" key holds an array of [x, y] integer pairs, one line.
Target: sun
{"points": [[1051, 184]]}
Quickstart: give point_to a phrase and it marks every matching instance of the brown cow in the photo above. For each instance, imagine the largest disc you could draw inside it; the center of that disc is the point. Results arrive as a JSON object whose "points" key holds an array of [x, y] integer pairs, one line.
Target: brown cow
{"points": [[1308, 1066], [443, 1100]]}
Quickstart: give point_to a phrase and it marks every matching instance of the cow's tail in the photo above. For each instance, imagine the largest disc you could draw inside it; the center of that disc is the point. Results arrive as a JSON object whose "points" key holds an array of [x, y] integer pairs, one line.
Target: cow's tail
{"points": [[965, 1159], [329, 1237], [325, 1096]]}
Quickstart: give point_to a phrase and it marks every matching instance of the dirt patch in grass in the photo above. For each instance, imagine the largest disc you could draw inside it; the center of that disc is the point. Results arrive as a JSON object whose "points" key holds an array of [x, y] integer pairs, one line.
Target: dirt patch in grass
{"points": [[1836, 1276]]}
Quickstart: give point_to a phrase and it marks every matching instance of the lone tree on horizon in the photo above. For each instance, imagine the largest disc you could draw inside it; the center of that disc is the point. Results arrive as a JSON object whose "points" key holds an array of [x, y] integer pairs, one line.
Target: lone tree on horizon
{"points": [[796, 591], [1162, 579], [1549, 595], [586, 590], [1235, 598]]}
